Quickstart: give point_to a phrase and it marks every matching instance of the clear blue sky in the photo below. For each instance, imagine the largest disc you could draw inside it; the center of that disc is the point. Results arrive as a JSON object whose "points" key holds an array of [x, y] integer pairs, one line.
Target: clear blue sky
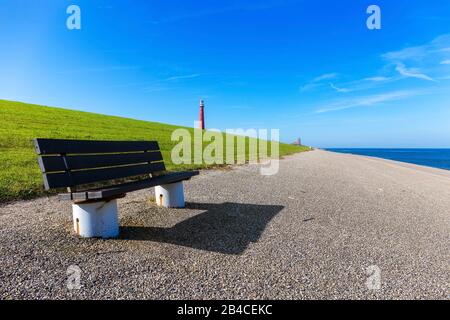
{"points": [[310, 68]]}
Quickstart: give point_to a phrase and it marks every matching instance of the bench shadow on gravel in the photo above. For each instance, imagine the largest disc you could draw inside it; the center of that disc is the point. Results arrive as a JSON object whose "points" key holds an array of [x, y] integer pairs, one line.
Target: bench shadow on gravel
{"points": [[225, 228]]}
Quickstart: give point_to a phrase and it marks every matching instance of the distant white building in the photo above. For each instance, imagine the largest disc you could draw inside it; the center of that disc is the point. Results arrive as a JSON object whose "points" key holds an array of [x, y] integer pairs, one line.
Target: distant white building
{"points": [[298, 142]]}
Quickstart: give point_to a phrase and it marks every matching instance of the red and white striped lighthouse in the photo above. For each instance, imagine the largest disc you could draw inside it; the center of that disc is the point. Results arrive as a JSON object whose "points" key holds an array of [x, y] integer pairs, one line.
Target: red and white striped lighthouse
{"points": [[201, 124]]}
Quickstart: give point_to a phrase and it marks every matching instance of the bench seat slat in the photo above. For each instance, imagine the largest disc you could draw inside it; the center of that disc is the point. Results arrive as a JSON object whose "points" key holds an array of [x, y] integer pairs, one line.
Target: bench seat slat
{"points": [[70, 179], [117, 190], [56, 163], [63, 146]]}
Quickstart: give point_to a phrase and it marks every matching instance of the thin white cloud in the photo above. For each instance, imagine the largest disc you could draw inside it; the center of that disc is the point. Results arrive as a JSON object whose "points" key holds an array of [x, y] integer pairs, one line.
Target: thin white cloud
{"points": [[326, 76], [412, 73], [340, 90], [427, 59], [176, 78], [367, 101], [407, 54], [318, 81], [438, 45], [362, 84], [377, 79]]}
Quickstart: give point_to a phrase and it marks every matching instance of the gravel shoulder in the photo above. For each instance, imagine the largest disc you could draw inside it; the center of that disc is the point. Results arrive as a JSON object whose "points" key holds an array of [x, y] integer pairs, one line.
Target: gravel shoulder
{"points": [[308, 232]]}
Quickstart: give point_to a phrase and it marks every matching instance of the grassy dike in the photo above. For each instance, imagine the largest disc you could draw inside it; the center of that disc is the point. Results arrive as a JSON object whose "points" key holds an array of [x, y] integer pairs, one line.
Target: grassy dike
{"points": [[20, 177]]}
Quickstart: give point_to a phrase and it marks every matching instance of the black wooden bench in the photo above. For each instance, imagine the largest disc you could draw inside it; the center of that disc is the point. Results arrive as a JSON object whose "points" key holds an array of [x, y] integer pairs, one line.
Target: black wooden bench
{"points": [[79, 164]]}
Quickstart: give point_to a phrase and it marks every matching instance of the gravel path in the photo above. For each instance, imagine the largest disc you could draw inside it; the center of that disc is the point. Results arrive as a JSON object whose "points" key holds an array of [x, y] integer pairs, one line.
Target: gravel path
{"points": [[310, 231]]}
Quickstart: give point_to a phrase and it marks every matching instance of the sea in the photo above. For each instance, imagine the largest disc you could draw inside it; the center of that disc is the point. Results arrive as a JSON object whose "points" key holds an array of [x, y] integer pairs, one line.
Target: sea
{"points": [[436, 158]]}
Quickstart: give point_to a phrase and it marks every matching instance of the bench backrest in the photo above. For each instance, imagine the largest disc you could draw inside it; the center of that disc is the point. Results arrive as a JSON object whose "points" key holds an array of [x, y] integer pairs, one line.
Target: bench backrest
{"points": [[70, 163]]}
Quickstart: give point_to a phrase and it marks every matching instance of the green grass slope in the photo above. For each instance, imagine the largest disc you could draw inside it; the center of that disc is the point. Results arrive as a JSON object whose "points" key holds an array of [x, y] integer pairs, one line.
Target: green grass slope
{"points": [[20, 177]]}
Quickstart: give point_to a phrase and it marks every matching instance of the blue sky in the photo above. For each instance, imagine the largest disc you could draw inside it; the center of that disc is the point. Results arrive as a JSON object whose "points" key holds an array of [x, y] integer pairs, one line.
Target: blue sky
{"points": [[310, 68]]}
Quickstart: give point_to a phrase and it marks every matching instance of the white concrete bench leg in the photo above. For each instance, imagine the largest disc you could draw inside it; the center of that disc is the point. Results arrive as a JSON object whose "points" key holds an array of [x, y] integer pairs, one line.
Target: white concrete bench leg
{"points": [[170, 195], [96, 219]]}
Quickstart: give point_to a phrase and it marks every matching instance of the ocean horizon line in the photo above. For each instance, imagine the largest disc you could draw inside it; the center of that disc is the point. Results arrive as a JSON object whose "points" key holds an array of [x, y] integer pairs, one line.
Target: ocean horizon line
{"points": [[431, 157]]}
